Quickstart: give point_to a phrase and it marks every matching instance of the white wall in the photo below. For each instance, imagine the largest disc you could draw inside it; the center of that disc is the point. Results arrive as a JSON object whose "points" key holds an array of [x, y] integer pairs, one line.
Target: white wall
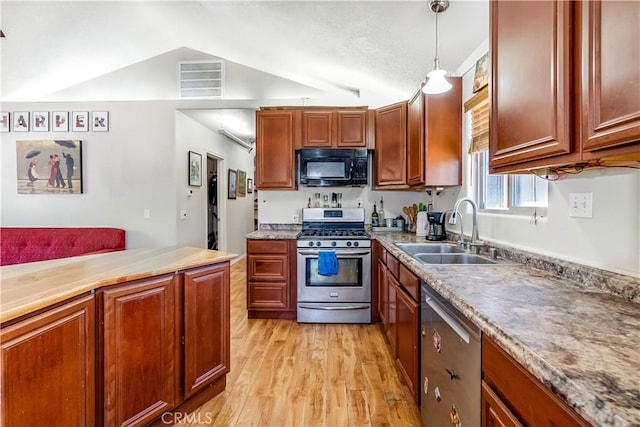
{"points": [[139, 164], [610, 240], [236, 215], [279, 207]]}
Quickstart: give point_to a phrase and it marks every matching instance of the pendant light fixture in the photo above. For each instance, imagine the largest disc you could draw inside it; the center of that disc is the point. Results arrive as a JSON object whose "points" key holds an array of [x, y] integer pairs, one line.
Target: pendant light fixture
{"points": [[436, 81]]}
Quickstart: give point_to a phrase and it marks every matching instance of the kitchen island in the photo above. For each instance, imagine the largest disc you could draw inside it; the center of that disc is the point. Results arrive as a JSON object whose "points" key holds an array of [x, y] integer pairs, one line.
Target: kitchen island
{"points": [[115, 338]]}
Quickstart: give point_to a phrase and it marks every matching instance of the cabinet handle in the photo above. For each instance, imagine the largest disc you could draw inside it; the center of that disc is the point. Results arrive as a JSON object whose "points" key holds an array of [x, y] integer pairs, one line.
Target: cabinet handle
{"points": [[351, 307], [453, 375]]}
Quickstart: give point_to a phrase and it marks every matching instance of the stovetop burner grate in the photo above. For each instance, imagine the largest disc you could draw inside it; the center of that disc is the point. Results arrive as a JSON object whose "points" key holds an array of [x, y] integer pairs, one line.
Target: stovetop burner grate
{"points": [[334, 233]]}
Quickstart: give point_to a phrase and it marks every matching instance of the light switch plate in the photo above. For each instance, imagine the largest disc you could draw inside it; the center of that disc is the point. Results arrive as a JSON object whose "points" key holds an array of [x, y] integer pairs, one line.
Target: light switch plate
{"points": [[581, 205]]}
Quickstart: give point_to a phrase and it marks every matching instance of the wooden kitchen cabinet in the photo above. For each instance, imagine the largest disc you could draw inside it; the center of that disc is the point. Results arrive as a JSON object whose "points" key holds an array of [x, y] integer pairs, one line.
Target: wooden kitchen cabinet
{"points": [[391, 147], [383, 295], [434, 137], [140, 352], [334, 128], [352, 129], [530, 83], [511, 396], [495, 412], [206, 327], [271, 268], [276, 133], [565, 87], [399, 312], [317, 129], [407, 348], [48, 367], [609, 39]]}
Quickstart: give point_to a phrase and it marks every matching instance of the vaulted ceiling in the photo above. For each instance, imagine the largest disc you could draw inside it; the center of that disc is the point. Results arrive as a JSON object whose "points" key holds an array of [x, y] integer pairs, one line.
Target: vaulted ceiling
{"points": [[283, 52]]}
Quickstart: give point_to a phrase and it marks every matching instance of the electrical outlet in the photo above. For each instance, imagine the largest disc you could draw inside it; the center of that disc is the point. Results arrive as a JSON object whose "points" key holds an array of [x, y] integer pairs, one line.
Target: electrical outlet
{"points": [[296, 219], [581, 205], [183, 214]]}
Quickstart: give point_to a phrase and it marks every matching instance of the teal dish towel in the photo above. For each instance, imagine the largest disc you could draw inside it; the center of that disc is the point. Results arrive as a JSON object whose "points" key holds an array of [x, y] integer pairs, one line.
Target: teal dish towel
{"points": [[327, 263]]}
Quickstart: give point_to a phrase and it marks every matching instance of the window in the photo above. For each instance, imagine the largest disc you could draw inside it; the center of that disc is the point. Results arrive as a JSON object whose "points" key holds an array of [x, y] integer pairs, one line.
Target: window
{"points": [[508, 192], [517, 193]]}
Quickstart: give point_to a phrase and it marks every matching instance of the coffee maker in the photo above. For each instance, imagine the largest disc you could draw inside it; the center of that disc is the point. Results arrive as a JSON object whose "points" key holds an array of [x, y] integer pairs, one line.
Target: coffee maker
{"points": [[436, 226]]}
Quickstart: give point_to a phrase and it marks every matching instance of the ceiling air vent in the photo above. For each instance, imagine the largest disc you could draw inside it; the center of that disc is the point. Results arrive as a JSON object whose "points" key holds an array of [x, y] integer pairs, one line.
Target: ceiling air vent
{"points": [[201, 79]]}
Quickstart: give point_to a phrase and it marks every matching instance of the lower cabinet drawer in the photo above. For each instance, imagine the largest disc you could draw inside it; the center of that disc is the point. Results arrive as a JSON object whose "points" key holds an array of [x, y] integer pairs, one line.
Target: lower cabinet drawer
{"points": [[409, 281], [267, 246], [268, 268], [271, 296]]}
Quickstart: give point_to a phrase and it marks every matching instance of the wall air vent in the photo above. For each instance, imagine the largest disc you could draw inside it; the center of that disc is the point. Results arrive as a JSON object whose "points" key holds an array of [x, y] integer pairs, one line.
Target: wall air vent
{"points": [[201, 79]]}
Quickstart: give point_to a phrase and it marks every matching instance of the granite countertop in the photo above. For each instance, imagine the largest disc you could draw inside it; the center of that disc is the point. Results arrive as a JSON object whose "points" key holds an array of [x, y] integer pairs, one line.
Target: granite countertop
{"points": [[273, 234], [580, 341], [25, 288]]}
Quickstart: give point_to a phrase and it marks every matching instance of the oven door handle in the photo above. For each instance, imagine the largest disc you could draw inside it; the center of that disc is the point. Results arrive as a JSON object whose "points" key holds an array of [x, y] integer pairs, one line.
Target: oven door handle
{"points": [[337, 253], [351, 307]]}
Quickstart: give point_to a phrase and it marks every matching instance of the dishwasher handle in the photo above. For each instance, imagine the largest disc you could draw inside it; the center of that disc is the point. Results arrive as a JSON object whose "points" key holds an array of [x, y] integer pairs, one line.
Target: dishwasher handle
{"points": [[449, 320]]}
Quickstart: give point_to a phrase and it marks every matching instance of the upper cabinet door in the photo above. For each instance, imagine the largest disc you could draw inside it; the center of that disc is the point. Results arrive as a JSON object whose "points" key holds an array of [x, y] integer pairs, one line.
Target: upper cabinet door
{"points": [[275, 149], [530, 80], [391, 146], [415, 139], [334, 129], [434, 137], [317, 129], [352, 129], [610, 64]]}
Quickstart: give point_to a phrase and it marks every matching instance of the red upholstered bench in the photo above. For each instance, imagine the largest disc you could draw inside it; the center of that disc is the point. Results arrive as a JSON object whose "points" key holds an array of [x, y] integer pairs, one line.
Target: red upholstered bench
{"points": [[28, 244]]}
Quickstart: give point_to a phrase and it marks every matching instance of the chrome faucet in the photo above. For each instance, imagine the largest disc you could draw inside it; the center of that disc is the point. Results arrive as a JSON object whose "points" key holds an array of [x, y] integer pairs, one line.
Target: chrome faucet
{"points": [[474, 233]]}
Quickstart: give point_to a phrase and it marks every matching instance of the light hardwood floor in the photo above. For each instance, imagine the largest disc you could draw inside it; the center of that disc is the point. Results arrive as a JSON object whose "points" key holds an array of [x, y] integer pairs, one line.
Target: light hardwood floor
{"points": [[289, 374]]}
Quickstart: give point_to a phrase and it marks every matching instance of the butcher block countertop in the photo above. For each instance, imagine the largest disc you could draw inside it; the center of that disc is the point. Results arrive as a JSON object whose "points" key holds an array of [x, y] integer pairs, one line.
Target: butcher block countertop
{"points": [[569, 330], [25, 288]]}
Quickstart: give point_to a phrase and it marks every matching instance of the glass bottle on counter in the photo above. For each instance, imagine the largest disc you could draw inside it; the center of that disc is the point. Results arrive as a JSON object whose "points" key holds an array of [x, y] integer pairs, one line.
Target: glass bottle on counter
{"points": [[381, 214], [375, 220]]}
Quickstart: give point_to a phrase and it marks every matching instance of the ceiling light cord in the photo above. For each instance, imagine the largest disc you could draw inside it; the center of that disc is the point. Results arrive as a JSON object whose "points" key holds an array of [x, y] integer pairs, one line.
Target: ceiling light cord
{"points": [[436, 81]]}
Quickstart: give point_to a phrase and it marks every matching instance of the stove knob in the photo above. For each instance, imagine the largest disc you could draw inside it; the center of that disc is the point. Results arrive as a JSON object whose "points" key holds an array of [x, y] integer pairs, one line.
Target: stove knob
{"points": [[318, 243], [356, 244], [348, 243], [310, 243], [333, 244]]}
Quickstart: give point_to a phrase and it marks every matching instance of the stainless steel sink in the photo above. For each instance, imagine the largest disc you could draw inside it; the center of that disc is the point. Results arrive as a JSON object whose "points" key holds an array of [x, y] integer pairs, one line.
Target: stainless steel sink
{"points": [[430, 248], [442, 253], [452, 258]]}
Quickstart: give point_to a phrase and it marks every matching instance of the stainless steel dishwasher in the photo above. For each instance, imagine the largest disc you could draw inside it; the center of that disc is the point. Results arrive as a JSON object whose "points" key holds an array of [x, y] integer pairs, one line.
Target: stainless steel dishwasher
{"points": [[450, 364]]}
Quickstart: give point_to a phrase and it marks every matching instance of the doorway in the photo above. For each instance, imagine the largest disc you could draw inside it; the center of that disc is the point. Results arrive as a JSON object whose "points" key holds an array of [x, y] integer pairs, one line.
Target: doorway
{"points": [[213, 202]]}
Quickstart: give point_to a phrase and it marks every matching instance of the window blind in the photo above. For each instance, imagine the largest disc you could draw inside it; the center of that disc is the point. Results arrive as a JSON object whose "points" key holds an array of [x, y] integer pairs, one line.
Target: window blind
{"points": [[478, 105]]}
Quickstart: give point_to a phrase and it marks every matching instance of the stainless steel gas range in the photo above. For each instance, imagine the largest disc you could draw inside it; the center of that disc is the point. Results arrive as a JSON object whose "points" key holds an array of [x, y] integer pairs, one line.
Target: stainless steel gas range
{"points": [[343, 297]]}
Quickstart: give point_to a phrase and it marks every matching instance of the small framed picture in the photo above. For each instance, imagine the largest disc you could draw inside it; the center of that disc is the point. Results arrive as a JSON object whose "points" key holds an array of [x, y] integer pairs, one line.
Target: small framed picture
{"points": [[195, 169], [249, 186], [40, 121], [60, 121], [242, 183], [481, 76], [21, 121], [100, 121], [80, 121], [5, 118], [232, 184]]}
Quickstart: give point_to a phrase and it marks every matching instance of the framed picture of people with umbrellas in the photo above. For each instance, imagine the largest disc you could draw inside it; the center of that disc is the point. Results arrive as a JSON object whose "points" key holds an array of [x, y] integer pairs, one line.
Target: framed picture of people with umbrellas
{"points": [[49, 166]]}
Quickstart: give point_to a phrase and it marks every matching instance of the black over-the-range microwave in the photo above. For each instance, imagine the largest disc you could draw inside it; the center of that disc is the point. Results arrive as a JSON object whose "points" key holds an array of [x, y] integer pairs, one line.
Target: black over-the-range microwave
{"points": [[332, 167]]}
